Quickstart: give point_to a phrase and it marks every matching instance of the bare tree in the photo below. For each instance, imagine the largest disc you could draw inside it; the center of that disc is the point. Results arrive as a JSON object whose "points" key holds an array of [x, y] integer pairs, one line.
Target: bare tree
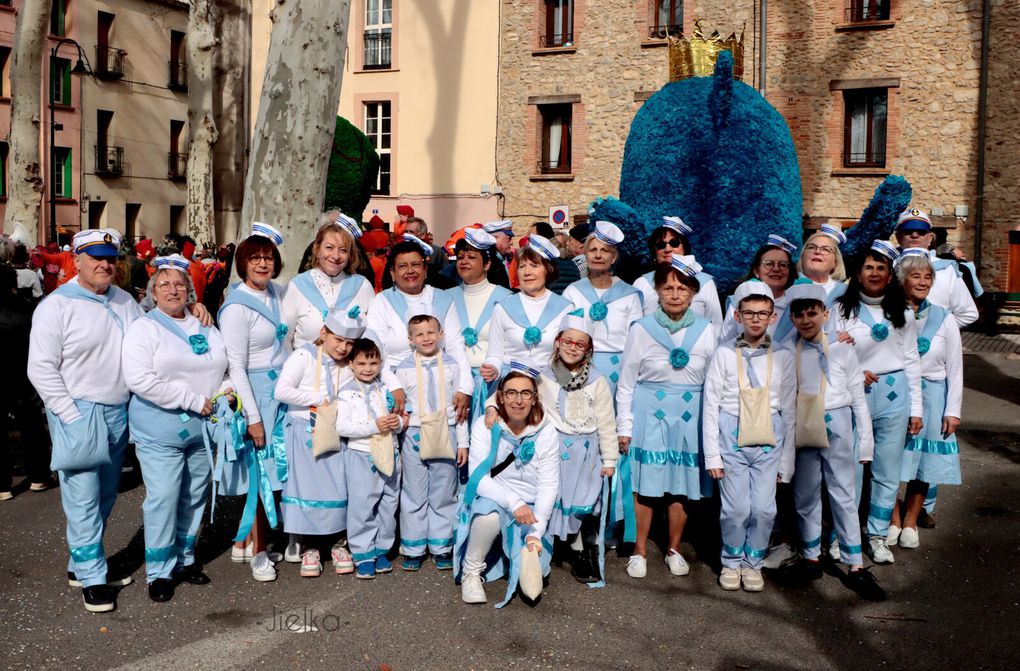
{"points": [[286, 179], [26, 178], [201, 45]]}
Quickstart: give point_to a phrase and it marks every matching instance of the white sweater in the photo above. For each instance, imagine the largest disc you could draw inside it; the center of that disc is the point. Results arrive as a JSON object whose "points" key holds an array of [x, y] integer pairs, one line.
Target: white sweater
{"points": [[610, 334], [536, 483], [582, 411], [75, 351], [475, 298], [354, 421], [506, 342], [705, 302], [304, 320], [408, 379], [944, 361], [950, 291], [162, 369]]}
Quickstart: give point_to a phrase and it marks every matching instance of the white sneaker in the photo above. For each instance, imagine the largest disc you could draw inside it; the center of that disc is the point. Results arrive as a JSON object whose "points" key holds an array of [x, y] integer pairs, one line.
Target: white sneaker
{"points": [[241, 555], [894, 535], [751, 579], [834, 551], [6, 496], [343, 562], [729, 579], [779, 556], [311, 567], [471, 590], [292, 555], [262, 568], [637, 566], [879, 551], [676, 563], [909, 538]]}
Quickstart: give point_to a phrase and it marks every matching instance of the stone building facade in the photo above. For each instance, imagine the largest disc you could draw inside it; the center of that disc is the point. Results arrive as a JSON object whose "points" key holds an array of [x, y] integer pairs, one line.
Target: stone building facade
{"points": [[917, 62]]}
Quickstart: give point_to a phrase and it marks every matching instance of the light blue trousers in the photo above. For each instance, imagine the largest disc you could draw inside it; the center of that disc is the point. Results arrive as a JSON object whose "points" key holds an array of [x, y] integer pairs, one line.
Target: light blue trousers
{"points": [[889, 403], [428, 499], [372, 506]]}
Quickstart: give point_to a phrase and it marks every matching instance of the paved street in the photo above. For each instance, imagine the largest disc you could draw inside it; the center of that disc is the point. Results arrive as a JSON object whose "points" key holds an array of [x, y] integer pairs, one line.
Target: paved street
{"points": [[954, 602]]}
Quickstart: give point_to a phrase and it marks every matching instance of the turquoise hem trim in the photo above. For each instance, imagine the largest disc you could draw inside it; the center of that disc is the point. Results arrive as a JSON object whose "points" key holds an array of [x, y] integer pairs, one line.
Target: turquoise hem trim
{"points": [[364, 556], [186, 542], [755, 554], [156, 555], [879, 513], [933, 447], [312, 503], [730, 550], [573, 510], [414, 542], [440, 542], [850, 549], [813, 543], [381, 553], [87, 552], [661, 458]]}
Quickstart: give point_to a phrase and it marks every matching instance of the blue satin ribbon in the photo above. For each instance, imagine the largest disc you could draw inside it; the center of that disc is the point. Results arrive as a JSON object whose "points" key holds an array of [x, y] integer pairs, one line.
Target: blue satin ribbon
{"points": [[622, 483]]}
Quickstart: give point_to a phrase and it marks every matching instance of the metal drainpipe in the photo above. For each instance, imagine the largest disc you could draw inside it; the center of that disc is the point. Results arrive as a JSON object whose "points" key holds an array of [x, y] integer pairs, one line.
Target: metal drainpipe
{"points": [[979, 205], [761, 49]]}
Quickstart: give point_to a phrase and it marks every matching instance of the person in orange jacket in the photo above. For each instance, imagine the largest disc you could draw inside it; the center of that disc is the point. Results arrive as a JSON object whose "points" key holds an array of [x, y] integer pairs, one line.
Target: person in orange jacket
{"points": [[195, 268], [63, 260]]}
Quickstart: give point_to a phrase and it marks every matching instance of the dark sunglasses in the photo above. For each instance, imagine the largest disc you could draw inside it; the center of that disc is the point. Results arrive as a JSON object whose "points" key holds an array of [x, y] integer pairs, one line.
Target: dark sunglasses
{"points": [[674, 243]]}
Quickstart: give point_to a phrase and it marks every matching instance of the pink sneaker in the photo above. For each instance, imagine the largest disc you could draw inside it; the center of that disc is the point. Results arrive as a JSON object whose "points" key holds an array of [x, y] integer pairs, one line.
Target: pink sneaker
{"points": [[343, 562], [311, 567]]}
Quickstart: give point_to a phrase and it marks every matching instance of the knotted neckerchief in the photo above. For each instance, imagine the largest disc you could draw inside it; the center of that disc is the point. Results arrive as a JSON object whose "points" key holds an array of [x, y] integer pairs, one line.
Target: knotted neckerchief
{"points": [[750, 352], [523, 448], [568, 380], [670, 324], [823, 359]]}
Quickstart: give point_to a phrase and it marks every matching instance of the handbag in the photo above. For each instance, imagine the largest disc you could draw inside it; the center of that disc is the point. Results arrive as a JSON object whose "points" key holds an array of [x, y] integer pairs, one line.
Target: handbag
{"points": [[434, 440], [530, 579], [811, 429], [83, 444], [325, 438], [754, 426]]}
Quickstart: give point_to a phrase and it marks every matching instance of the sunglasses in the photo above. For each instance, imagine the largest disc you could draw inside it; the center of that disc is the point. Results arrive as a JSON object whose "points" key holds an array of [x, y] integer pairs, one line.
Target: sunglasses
{"points": [[662, 244]]}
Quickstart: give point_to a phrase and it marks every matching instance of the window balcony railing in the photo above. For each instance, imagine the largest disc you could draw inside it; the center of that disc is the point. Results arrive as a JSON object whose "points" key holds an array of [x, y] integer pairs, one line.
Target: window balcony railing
{"points": [[178, 75], [553, 40], [662, 32], [554, 167], [177, 166], [866, 11], [873, 159], [378, 49], [109, 62], [109, 160]]}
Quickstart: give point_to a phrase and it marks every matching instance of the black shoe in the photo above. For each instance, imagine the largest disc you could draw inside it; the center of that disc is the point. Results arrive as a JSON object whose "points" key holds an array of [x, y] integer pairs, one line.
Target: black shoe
{"points": [[926, 521], [585, 568], [111, 580], [161, 589], [800, 573], [99, 598], [864, 584], [192, 575]]}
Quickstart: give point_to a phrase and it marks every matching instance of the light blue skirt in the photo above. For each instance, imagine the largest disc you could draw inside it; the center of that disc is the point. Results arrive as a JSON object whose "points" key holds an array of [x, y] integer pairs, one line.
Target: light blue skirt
{"points": [[314, 500], [272, 457], [608, 363], [580, 483], [929, 456], [666, 446]]}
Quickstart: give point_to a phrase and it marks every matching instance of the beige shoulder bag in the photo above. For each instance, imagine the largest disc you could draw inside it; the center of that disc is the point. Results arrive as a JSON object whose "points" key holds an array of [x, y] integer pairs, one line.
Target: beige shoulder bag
{"points": [[811, 431], [380, 444], [754, 426], [434, 440], [325, 438]]}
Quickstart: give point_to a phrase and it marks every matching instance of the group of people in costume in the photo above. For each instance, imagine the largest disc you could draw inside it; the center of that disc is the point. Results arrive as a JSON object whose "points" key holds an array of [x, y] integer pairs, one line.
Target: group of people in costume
{"points": [[505, 430]]}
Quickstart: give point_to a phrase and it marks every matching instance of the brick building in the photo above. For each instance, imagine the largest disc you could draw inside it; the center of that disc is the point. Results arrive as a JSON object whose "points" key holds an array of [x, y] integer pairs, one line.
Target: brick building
{"points": [[868, 87]]}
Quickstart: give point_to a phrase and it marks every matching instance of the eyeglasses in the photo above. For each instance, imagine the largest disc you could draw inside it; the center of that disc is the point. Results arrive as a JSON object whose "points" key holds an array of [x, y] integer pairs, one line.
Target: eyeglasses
{"points": [[751, 315], [573, 344], [674, 243], [771, 265], [166, 284], [514, 394], [255, 260], [812, 247]]}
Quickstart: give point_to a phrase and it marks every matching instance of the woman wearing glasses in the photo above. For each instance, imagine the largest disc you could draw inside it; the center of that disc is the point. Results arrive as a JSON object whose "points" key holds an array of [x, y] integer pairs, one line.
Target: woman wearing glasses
{"points": [[611, 304], [173, 366], [773, 265], [669, 239], [253, 329], [822, 263], [659, 410]]}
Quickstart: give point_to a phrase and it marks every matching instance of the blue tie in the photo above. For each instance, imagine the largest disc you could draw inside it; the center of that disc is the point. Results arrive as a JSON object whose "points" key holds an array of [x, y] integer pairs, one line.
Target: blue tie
{"points": [[433, 397], [749, 355], [823, 361]]}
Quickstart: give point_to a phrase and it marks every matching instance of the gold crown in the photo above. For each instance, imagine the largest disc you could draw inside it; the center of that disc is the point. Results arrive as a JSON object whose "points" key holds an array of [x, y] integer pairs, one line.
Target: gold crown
{"points": [[695, 57]]}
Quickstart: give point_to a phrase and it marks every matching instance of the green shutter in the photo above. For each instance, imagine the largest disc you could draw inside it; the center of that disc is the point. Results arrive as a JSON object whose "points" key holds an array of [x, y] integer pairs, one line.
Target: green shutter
{"points": [[66, 72], [60, 8], [67, 174]]}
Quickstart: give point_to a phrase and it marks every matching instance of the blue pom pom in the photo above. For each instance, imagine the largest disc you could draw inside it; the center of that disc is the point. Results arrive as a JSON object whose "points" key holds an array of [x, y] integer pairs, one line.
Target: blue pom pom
{"points": [[679, 358], [470, 337], [532, 336], [598, 311], [923, 345], [354, 312], [879, 332]]}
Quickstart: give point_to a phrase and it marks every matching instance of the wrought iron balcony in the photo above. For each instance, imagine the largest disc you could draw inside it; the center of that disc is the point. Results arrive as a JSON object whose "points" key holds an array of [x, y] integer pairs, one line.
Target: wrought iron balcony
{"points": [[872, 159], [177, 166], [109, 63], [866, 11], [178, 75], [378, 49], [109, 160], [552, 40]]}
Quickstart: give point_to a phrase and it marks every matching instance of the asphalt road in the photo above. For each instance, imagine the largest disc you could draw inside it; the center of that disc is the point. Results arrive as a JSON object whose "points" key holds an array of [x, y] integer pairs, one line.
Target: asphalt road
{"points": [[954, 602]]}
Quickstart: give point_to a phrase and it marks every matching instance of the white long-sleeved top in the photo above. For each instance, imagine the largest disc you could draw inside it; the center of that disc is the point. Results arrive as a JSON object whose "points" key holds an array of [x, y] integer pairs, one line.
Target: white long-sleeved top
{"points": [[75, 350], [408, 378], [296, 384], [354, 420], [843, 388], [161, 368], [897, 352], [251, 345], [29, 279], [581, 411], [536, 482], [944, 361], [609, 334], [304, 320], [950, 291], [389, 330], [722, 394], [476, 296], [704, 303], [506, 337], [645, 360]]}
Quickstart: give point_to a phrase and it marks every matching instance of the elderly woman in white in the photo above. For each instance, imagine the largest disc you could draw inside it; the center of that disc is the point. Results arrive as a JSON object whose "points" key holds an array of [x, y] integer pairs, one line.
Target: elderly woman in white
{"points": [[174, 367]]}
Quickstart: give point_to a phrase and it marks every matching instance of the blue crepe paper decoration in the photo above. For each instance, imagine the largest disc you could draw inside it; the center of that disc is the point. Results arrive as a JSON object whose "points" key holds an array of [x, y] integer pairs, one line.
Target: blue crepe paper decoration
{"points": [[879, 219]]}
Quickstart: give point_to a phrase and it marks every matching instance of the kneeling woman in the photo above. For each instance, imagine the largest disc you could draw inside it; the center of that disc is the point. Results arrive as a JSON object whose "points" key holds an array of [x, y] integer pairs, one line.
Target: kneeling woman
{"points": [[514, 482], [173, 367]]}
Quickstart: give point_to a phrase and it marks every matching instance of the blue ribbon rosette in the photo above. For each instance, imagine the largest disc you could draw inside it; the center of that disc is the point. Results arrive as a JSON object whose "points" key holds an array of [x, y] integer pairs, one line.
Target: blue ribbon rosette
{"points": [[598, 311], [532, 336], [470, 336], [199, 343], [923, 345], [524, 454], [679, 358], [281, 331], [879, 332]]}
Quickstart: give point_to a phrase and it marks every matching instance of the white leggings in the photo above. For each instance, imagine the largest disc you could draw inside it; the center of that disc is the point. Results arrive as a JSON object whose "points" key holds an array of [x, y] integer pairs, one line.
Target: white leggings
{"points": [[483, 533]]}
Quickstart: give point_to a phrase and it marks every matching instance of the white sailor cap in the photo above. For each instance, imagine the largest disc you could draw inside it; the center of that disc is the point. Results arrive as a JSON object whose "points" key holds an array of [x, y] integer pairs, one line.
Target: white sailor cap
{"points": [[608, 232], [677, 224], [501, 226], [685, 264], [576, 320], [913, 252], [479, 238], [96, 242], [346, 324], [782, 243], [834, 232], [267, 231], [174, 261], [913, 219], [349, 225], [755, 288], [521, 367], [543, 246], [885, 249], [805, 289], [426, 248]]}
